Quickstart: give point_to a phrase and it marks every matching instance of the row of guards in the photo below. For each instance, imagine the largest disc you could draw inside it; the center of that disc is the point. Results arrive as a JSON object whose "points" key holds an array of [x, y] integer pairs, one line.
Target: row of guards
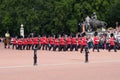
{"points": [[61, 43], [45, 43]]}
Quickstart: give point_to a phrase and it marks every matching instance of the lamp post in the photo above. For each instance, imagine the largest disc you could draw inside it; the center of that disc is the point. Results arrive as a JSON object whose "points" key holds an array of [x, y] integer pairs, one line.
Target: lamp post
{"points": [[22, 30]]}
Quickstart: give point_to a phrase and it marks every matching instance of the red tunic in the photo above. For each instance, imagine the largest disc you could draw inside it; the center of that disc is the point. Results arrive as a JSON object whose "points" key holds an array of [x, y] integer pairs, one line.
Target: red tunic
{"points": [[30, 41], [74, 41], [84, 41], [51, 40], [14, 41], [79, 41], [41, 40], [27, 40], [44, 40], [62, 42], [112, 41], [96, 40], [19, 42], [35, 40], [56, 41], [68, 40], [24, 41]]}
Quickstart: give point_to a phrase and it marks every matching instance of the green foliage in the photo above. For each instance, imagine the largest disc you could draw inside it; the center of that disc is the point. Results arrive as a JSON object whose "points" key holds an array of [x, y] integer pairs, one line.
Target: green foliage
{"points": [[52, 16], [114, 13]]}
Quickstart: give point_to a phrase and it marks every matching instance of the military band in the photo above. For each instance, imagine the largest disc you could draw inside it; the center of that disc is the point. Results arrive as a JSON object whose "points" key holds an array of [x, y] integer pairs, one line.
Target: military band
{"points": [[63, 43]]}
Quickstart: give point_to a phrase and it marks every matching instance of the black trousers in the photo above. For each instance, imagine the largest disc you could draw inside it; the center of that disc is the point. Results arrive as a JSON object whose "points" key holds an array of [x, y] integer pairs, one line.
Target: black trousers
{"points": [[68, 46], [96, 46], [62, 47], [29, 46], [51, 46], [36, 45], [14, 45], [112, 47], [45, 46], [39, 46], [55, 47], [73, 46], [79, 46], [83, 47], [24, 46], [19, 47]]}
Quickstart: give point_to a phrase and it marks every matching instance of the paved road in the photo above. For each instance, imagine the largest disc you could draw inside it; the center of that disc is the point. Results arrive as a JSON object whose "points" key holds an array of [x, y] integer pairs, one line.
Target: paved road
{"points": [[18, 65]]}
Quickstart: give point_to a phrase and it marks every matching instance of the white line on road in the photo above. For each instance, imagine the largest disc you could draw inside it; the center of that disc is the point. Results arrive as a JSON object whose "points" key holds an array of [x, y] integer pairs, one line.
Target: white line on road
{"points": [[60, 64]]}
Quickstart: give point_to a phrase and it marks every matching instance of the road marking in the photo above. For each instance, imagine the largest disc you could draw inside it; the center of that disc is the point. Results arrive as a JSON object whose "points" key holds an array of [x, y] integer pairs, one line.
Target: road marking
{"points": [[105, 61], [60, 64], [23, 66]]}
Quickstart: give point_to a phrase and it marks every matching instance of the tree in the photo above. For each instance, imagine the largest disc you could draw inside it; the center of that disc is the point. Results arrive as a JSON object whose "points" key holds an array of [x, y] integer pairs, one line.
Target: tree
{"points": [[114, 13], [52, 16]]}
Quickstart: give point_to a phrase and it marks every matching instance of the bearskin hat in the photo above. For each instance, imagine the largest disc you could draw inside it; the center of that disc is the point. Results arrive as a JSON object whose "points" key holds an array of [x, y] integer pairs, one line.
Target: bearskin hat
{"points": [[111, 35], [83, 34], [96, 33]]}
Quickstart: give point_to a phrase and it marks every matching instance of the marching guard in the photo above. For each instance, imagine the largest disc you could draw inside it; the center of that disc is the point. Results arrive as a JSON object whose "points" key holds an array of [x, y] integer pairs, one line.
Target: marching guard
{"points": [[112, 43], [56, 44], [74, 43], [96, 42], [84, 41], [62, 44], [68, 42]]}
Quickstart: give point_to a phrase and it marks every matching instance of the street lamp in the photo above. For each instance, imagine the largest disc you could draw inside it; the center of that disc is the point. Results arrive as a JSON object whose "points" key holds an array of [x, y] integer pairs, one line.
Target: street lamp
{"points": [[22, 30]]}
